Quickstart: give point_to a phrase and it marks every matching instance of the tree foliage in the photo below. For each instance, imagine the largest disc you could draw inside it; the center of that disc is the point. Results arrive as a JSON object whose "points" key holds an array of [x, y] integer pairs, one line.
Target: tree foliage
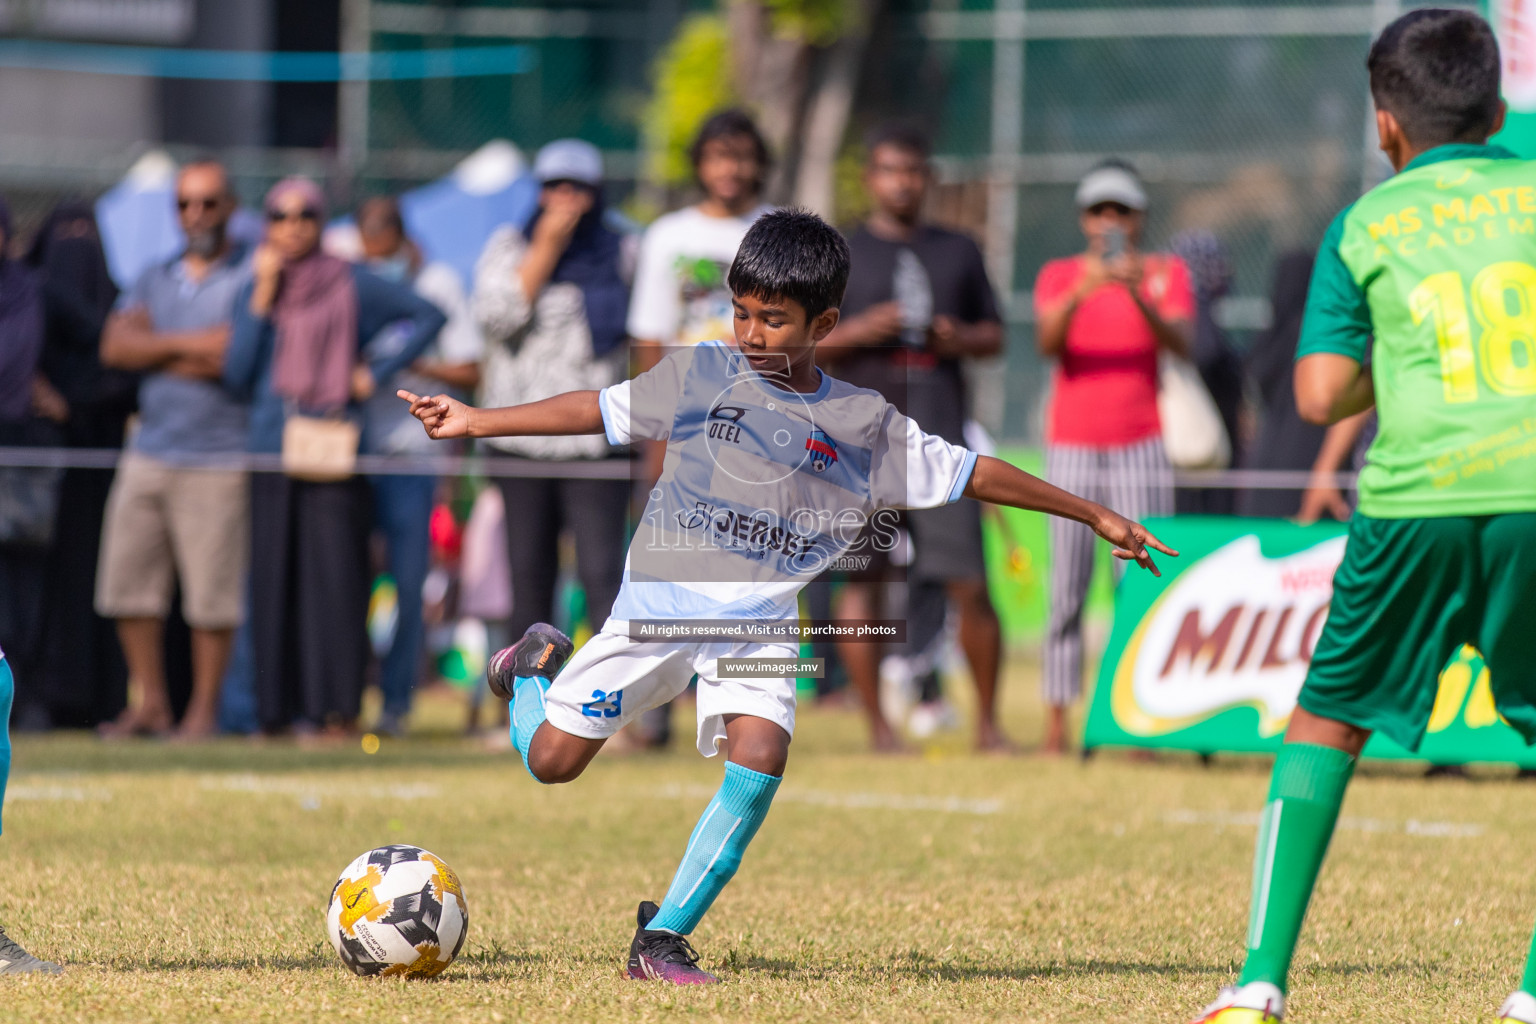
{"points": [[816, 22], [792, 63], [693, 79]]}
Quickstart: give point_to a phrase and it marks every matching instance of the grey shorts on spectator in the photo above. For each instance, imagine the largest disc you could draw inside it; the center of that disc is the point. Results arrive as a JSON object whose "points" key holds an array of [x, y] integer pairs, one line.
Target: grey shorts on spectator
{"points": [[946, 543], [165, 523]]}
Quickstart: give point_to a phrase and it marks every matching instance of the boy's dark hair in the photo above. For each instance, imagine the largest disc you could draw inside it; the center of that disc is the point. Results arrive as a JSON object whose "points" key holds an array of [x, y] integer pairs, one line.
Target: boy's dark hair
{"points": [[899, 135], [728, 124], [1437, 72], [792, 254]]}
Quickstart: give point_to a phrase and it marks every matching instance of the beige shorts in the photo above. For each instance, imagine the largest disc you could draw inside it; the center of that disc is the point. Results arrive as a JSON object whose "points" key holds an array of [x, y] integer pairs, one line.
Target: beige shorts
{"points": [[165, 523]]}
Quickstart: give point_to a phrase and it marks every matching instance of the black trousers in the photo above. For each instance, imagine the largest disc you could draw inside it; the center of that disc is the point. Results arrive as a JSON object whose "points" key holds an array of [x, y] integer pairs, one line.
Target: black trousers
{"points": [[87, 676], [538, 508], [23, 579], [309, 599]]}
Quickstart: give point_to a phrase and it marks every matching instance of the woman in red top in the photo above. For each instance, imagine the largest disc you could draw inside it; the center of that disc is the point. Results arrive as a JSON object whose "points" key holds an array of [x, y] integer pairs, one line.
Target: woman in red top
{"points": [[1103, 316]]}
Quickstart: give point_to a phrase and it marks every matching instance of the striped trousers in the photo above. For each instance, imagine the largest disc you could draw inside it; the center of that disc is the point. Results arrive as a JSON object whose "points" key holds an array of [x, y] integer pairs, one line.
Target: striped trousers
{"points": [[1136, 481]]}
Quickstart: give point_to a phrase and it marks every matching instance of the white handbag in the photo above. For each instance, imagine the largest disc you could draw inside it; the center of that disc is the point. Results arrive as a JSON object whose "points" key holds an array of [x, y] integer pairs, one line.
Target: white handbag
{"points": [[320, 450], [1193, 433]]}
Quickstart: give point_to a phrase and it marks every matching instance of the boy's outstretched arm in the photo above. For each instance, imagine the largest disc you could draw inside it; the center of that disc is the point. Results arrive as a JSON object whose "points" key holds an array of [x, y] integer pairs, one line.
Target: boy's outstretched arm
{"points": [[575, 412], [998, 482]]}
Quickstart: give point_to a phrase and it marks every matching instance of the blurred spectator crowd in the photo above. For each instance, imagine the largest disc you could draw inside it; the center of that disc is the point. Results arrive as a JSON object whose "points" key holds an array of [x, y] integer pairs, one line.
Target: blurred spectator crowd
{"points": [[182, 594]]}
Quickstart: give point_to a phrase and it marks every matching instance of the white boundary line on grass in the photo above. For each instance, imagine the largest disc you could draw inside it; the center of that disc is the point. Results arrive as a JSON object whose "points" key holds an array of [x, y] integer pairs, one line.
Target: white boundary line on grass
{"points": [[307, 791], [245, 782], [1411, 827], [854, 801], [57, 794]]}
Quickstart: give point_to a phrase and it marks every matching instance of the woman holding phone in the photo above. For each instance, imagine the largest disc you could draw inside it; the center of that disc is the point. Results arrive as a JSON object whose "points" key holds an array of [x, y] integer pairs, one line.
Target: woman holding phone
{"points": [[1103, 316]]}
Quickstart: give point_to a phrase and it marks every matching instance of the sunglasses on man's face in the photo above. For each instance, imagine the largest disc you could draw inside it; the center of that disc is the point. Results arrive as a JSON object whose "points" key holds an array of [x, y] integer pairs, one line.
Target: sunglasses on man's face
{"points": [[278, 216], [1100, 209], [198, 203]]}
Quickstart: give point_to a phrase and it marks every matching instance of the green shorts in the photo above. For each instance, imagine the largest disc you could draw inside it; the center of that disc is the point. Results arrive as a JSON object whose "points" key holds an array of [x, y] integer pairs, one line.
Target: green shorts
{"points": [[1407, 595]]}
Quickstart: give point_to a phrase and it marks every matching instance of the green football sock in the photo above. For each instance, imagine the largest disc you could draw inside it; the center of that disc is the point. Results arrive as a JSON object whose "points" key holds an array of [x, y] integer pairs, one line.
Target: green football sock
{"points": [[1305, 793], [1528, 983]]}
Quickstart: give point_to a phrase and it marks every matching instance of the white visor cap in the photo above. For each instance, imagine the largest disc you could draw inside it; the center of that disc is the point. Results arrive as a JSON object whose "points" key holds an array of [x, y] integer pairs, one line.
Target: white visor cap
{"points": [[569, 160], [1111, 185]]}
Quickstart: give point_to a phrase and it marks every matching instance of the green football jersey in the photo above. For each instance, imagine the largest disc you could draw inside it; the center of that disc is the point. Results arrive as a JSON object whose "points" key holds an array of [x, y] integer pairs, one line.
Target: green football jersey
{"points": [[1431, 279]]}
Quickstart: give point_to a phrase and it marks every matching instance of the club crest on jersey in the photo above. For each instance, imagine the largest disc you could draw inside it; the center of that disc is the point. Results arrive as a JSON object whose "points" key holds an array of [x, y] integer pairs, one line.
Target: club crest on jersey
{"points": [[823, 450]]}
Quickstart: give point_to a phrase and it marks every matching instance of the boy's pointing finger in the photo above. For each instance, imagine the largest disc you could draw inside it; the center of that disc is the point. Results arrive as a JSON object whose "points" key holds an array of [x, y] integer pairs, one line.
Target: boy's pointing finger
{"points": [[1153, 542]]}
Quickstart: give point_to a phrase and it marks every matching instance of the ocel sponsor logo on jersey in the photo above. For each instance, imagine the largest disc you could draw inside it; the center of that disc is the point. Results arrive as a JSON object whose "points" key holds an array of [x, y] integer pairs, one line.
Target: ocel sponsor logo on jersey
{"points": [[1236, 629], [724, 423]]}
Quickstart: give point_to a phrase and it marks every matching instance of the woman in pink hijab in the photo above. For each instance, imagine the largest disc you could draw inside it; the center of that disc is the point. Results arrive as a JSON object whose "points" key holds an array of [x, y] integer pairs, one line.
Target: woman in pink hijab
{"points": [[296, 347]]}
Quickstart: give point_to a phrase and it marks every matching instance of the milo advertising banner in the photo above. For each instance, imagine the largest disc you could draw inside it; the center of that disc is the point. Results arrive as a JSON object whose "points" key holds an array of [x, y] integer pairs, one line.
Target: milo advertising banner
{"points": [[1210, 656]]}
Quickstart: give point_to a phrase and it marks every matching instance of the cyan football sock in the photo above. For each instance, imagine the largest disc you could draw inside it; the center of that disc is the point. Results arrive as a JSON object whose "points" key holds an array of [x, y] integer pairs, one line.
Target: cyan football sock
{"points": [[715, 848], [1305, 793], [527, 713]]}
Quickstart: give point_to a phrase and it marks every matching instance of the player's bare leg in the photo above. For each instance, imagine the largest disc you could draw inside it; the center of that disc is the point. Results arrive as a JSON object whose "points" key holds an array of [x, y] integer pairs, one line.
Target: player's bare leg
{"points": [[555, 756], [1306, 727], [757, 743]]}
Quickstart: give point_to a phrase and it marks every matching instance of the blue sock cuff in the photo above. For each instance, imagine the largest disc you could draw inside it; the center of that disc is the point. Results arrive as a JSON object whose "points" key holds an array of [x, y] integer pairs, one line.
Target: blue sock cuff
{"points": [[527, 713], [746, 793]]}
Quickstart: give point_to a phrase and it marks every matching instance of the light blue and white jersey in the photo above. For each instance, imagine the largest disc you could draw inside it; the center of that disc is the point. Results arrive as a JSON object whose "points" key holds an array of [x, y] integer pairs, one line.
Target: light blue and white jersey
{"points": [[762, 488]]}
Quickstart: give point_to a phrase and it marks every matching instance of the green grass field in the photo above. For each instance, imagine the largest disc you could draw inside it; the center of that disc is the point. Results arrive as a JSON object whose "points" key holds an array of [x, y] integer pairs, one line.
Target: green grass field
{"points": [[189, 884]]}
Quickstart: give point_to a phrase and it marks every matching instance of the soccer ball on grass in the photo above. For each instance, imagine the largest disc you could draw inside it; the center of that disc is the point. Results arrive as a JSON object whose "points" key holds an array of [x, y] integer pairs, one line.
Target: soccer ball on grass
{"points": [[397, 911]]}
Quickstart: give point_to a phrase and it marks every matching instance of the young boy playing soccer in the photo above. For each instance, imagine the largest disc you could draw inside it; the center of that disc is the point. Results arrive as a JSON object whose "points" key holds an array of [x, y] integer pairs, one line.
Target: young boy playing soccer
{"points": [[1438, 265], [13, 959], [771, 470]]}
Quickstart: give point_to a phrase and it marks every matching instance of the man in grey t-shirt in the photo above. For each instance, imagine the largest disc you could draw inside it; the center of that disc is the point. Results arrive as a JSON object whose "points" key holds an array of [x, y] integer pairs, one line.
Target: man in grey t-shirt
{"points": [[177, 511]]}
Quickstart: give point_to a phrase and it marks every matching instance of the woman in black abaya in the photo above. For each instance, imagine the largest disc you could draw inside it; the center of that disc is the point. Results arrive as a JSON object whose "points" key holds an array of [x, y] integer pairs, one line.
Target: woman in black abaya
{"points": [[85, 679]]}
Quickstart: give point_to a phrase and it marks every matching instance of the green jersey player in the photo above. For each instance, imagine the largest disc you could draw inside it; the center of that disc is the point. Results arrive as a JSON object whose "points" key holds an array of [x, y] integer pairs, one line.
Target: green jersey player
{"points": [[1423, 303]]}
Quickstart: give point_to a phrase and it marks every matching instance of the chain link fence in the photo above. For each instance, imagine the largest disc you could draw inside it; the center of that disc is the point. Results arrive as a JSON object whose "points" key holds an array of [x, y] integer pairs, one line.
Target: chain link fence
{"points": [[1246, 118]]}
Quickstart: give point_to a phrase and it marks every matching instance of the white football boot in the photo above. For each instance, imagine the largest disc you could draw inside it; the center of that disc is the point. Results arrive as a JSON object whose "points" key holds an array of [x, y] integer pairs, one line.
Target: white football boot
{"points": [[1257, 1002], [1520, 1007]]}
